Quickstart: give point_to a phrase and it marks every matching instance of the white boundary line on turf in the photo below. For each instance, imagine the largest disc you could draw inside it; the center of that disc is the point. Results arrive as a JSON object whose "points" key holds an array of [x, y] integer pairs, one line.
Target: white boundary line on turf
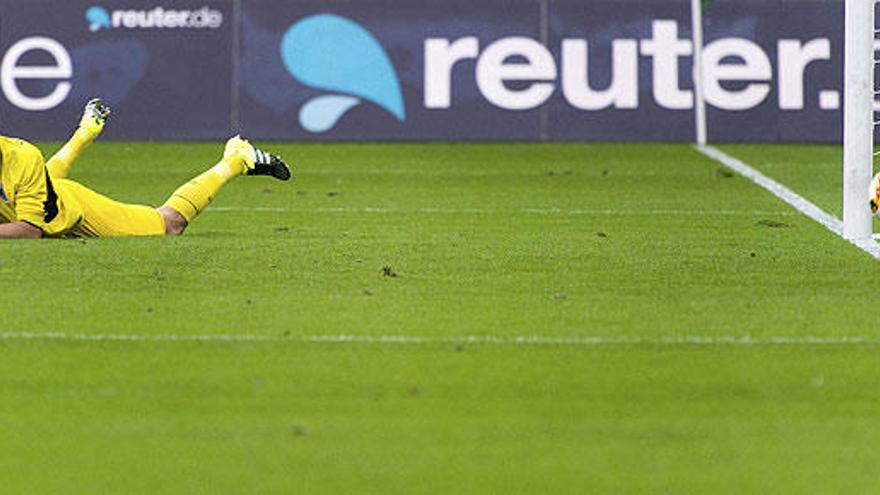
{"points": [[533, 340], [797, 201], [536, 211]]}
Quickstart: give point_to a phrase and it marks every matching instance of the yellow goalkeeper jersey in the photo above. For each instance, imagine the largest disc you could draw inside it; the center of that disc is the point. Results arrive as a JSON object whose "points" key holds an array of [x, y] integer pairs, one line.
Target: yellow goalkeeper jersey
{"points": [[28, 194]]}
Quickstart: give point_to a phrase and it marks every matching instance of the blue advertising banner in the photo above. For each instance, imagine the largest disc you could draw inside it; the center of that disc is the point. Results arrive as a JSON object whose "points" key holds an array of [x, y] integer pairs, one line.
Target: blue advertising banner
{"points": [[364, 64], [786, 82], [623, 73], [422, 70], [165, 71]]}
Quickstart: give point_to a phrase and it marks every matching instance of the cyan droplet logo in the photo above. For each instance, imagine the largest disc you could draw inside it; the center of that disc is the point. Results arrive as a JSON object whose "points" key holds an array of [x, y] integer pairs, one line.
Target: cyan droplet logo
{"points": [[332, 53], [98, 18]]}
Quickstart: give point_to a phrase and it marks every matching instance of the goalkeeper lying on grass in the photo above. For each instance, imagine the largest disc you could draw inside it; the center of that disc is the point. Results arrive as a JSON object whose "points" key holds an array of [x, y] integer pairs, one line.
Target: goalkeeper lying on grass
{"points": [[36, 200]]}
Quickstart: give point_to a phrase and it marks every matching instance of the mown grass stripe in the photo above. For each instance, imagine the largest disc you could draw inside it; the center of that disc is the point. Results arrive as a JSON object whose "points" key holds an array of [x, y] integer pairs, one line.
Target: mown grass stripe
{"points": [[536, 340], [483, 211]]}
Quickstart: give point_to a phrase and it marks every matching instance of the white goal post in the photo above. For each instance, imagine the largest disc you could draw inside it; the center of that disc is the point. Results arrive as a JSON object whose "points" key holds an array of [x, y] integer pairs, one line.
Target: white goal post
{"points": [[699, 98], [859, 94], [858, 117]]}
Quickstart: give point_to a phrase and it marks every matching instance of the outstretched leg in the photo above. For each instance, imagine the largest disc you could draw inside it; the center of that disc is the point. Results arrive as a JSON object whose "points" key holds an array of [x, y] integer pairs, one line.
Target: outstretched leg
{"points": [[90, 126], [239, 158]]}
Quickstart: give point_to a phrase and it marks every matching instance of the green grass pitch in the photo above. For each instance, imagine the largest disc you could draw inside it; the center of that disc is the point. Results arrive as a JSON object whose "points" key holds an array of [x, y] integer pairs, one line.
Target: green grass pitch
{"points": [[622, 241]]}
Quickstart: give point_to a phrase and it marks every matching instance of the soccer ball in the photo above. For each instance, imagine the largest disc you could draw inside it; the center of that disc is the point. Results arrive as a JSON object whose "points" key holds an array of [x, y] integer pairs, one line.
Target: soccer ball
{"points": [[875, 194]]}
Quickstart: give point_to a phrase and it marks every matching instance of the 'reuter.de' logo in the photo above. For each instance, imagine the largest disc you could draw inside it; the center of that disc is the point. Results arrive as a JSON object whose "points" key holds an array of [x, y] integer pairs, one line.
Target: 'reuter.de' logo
{"points": [[335, 54], [99, 18]]}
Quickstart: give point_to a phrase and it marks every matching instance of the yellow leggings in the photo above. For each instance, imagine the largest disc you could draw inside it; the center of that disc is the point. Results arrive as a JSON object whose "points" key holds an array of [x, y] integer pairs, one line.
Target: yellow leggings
{"points": [[104, 217], [101, 216]]}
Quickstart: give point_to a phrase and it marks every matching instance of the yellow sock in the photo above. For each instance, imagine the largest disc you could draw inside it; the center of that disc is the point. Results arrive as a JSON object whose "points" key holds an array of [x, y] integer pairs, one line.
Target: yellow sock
{"points": [[59, 164], [193, 197]]}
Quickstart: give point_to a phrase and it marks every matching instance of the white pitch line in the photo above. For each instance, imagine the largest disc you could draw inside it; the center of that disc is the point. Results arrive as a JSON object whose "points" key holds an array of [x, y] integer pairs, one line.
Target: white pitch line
{"points": [[527, 340], [125, 337], [797, 201], [480, 211]]}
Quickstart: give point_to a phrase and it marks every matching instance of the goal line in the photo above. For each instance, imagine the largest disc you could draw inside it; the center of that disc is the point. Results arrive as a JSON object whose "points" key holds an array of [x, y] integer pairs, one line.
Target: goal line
{"points": [[797, 201]]}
